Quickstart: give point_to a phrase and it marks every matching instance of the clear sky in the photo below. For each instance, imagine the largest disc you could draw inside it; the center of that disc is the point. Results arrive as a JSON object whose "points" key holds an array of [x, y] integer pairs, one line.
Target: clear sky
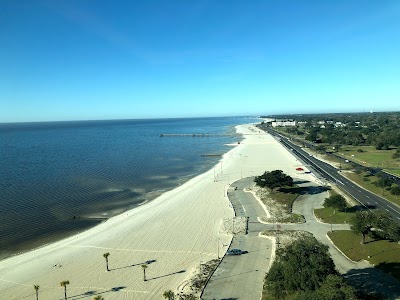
{"points": [[92, 59]]}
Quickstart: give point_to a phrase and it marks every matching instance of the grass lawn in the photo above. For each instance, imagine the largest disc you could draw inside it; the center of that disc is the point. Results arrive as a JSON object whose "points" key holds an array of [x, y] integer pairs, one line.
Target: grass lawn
{"points": [[393, 171], [327, 215], [385, 255], [370, 156]]}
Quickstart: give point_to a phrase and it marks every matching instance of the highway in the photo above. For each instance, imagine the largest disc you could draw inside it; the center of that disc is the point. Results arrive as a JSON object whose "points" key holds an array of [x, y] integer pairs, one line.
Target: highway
{"points": [[332, 174]]}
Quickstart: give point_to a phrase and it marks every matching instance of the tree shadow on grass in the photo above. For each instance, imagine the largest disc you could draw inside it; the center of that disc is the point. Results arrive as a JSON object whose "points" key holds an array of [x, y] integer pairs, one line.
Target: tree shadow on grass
{"points": [[300, 181], [170, 274], [356, 208], [374, 281], [391, 268], [304, 190]]}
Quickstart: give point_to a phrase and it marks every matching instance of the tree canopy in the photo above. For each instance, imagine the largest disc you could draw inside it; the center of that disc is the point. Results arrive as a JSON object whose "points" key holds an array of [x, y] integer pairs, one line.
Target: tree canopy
{"points": [[333, 288], [302, 266], [377, 222], [273, 179], [336, 202], [378, 129]]}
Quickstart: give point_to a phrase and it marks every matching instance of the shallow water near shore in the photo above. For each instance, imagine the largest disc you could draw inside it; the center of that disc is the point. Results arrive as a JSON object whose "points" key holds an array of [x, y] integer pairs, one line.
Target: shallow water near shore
{"points": [[59, 178]]}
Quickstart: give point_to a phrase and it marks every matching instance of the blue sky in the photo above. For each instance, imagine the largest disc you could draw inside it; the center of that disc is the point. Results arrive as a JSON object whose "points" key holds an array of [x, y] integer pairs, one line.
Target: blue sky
{"points": [[91, 59]]}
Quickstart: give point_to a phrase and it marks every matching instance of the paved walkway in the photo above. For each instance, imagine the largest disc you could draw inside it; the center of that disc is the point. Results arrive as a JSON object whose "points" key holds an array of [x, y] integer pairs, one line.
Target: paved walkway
{"points": [[241, 277]]}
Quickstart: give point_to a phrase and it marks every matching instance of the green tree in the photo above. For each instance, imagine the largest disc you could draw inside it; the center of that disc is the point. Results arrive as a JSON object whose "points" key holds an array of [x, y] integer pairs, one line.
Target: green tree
{"points": [[36, 287], [302, 266], [385, 227], [336, 202], [64, 284], [144, 267], [362, 223], [170, 295], [273, 179], [396, 155], [106, 255], [383, 182], [335, 288], [395, 190]]}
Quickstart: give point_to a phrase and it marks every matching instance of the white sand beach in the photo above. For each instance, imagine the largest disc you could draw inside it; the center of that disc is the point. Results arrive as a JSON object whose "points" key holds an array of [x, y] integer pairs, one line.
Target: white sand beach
{"points": [[177, 231]]}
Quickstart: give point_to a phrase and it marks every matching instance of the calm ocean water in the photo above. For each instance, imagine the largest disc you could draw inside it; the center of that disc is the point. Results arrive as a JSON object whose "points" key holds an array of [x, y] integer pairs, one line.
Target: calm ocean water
{"points": [[58, 178]]}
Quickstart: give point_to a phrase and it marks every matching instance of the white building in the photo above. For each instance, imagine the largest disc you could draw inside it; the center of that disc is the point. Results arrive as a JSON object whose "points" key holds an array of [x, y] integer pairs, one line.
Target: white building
{"points": [[283, 123]]}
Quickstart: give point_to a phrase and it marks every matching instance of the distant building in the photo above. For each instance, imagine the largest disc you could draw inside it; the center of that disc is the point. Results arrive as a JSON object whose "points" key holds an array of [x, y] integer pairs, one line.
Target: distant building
{"points": [[339, 124], [283, 123]]}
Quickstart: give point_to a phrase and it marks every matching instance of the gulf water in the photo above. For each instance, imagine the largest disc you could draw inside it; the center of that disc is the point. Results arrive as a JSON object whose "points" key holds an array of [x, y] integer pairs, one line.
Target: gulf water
{"points": [[59, 178]]}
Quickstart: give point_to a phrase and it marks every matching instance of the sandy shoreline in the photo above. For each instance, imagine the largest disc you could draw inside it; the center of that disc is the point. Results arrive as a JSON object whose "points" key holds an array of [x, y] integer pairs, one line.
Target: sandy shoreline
{"points": [[178, 230]]}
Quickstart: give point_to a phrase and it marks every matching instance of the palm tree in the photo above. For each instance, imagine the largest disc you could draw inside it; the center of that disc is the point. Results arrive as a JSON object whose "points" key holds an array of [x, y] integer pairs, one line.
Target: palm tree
{"points": [[169, 295], [106, 255], [98, 298], [64, 284], [36, 287], [144, 272]]}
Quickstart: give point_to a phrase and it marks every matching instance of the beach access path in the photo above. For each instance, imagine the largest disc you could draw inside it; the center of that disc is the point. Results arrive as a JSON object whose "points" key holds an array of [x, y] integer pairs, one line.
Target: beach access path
{"points": [[175, 232]]}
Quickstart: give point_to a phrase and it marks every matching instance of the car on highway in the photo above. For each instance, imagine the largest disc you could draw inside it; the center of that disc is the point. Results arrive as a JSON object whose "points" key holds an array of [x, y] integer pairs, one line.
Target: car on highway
{"points": [[235, 252]]}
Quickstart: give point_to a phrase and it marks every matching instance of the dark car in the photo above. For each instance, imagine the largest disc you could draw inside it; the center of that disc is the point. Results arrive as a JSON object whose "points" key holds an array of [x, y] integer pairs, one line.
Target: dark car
{"points": [[234, 252]]}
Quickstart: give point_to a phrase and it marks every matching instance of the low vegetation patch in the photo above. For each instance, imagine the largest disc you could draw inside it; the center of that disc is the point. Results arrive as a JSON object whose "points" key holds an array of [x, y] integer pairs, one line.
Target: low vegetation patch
{"points": [[284, 238], [277, 191], [192, 288], [279, 207], [286, 197], [384, 254]]}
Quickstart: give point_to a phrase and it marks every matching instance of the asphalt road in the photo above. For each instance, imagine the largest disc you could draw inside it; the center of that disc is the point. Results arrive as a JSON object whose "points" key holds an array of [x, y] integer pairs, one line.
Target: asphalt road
{"points": [[332, 174], [242, 276]]}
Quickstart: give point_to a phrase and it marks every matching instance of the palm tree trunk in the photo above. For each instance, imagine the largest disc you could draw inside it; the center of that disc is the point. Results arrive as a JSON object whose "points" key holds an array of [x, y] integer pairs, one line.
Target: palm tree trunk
{"points": [[65, 292], [144, 274], [107, 265], [37, 295]]}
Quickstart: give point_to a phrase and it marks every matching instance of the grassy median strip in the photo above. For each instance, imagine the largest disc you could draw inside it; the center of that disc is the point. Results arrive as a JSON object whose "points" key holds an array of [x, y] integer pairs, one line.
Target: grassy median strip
{"points": [[384, 254]]}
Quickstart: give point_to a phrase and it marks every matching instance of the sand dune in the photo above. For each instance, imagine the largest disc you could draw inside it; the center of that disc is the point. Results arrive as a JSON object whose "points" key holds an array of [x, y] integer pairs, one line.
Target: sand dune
{"points": [[176, 231]]}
